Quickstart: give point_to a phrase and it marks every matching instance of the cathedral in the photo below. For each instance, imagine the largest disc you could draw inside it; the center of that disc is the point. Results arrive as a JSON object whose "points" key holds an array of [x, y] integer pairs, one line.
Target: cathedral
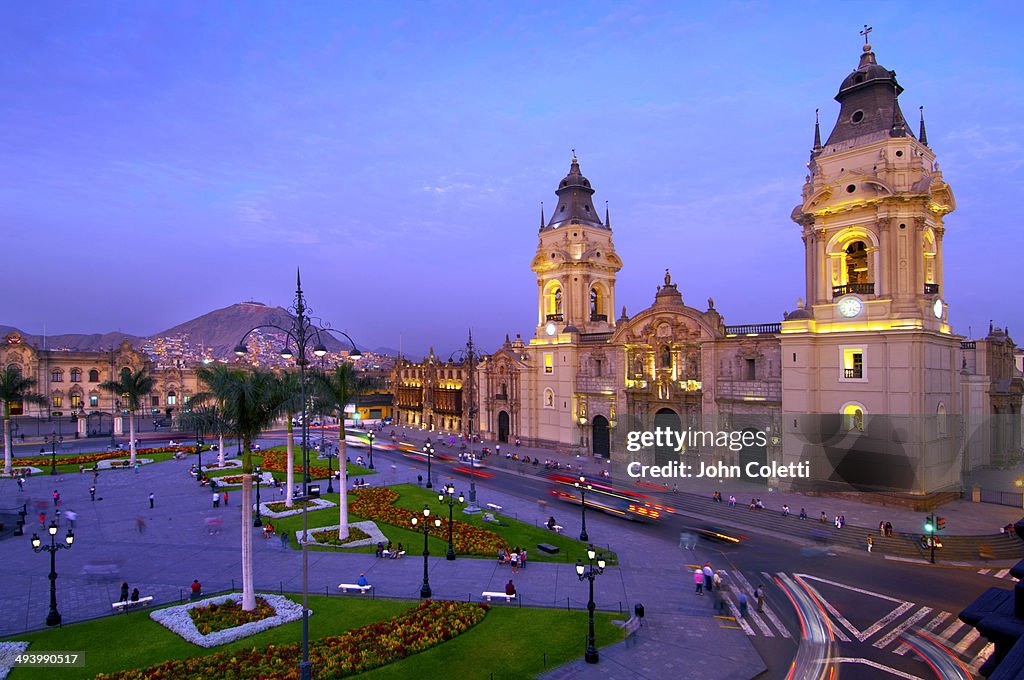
{"points": [[864, 380]]}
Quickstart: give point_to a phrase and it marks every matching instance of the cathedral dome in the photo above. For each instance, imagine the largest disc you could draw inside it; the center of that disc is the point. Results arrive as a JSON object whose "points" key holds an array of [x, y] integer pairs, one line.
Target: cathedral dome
{"points": [[869, 103]]}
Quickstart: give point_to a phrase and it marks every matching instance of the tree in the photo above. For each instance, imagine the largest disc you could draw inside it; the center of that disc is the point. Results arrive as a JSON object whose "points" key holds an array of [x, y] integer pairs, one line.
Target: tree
{"points": [[15, 389], [252, 402], [132, 387], [204, 418], [215, 377], [290, 388], [334, 391]]}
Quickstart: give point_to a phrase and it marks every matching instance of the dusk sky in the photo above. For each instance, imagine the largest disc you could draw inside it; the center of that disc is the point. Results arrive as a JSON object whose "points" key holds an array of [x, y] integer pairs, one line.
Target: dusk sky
{"points": [[161, 160]]}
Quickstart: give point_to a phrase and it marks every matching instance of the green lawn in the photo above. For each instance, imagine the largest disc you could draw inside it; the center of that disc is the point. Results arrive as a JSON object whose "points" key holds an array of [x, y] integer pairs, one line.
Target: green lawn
{"points": [[510, 642], [413, 498]]}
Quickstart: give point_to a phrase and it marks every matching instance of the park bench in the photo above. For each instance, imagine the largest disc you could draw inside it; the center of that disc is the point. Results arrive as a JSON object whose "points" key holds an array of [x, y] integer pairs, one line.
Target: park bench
{"points": [[557, 528], [345, 587], [494, 506], [548, 548], [125, 606], [488, 595], [389, 553]]}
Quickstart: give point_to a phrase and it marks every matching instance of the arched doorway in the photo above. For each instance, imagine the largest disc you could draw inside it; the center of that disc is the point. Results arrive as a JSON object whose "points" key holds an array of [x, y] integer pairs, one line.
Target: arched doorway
{"points": [[753, 454], [503, 426], [601, 437], [666, 419]]}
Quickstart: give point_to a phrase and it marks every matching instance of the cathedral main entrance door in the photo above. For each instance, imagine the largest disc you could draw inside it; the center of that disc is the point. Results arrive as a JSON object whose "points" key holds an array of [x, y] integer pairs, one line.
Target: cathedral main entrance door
{"points": [[753, 454], [669, 419], [503, 426], [602, 437]]}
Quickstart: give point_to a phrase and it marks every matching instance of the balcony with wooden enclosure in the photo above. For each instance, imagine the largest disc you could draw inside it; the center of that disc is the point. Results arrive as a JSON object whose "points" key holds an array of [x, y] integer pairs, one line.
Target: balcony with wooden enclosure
{"points": [[853, 289]]}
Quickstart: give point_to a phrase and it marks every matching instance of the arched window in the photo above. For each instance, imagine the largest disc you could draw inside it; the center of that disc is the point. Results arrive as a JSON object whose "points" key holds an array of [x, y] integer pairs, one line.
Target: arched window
{"points": [[76, 375], [666, 357], [853, 413], [14, 368], [857, 263], [57, 375], [549, 398], [126, 373], [172, 398], [941, 420], [553, 308], [94, 375], [597, 312]]}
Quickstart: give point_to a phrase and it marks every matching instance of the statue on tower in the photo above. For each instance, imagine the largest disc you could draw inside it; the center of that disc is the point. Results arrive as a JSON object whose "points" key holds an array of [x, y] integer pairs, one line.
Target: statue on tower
{"points": [[668, 278]]}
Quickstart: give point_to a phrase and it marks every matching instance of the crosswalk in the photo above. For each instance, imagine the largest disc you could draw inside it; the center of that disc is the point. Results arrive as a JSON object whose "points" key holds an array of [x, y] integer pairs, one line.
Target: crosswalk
{"points": [[884, 634], [998, 573]]}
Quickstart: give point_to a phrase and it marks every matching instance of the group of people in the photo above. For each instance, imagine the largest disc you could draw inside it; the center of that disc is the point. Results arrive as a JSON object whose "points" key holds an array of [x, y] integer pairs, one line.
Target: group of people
{"points": [[124, 593], [268, 530], [706, 579], [514, 557], [885, 529], [359, 482], [388, 551]]}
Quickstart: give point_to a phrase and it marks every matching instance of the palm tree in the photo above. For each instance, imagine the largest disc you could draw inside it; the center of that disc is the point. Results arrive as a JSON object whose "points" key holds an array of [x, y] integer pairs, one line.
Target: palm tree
{"points": [[215, 377], [204, 418], [291, 399], [334, 391], [133, 387], [15, 389], [251, 402]]}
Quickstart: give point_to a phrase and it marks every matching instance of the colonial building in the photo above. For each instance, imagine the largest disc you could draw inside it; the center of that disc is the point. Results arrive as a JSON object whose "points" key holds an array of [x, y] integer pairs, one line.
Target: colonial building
{"points": [[70, 381], [865, 375]]}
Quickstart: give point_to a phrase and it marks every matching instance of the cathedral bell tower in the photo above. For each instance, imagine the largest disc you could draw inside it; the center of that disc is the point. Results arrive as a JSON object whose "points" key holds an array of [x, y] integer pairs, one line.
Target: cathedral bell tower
{"points": [[575, 263]]}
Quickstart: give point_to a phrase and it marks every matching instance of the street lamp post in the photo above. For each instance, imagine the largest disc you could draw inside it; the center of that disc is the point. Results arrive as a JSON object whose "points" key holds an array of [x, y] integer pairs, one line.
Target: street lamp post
{"points": [[428, 449], [371, 437], [53, 439], [53, 618], [584, 486], [199, 455], [425, 589], [330, 469], [447, 497], [258, 522], [590, 572], [303, 333]]}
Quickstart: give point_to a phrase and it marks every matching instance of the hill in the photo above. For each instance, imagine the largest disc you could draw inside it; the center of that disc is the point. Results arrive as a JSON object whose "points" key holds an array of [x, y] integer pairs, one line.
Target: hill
{"points": [[79, 342]]}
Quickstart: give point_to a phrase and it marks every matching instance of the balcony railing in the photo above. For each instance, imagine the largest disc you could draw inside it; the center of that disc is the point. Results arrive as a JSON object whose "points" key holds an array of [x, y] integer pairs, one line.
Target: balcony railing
{"points": [[598, 317], [554, 317], [754, 329], [969, 344], [856, 373], [931, 289], [853, 289]]}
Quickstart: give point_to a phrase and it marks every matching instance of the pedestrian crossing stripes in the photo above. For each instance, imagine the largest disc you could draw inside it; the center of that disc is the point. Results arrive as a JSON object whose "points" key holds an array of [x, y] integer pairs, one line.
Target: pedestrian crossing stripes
{"points": [[885, 634], [998, 573]]}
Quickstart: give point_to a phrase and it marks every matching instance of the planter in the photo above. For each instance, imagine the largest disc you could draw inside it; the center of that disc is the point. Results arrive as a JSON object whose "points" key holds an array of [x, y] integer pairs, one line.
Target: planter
{"points": [[178, 620]]}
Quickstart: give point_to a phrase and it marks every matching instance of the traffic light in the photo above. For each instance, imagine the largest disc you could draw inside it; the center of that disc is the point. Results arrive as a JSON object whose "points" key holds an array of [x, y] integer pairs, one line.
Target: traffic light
{"points": [[940, 523], [928, 526]]}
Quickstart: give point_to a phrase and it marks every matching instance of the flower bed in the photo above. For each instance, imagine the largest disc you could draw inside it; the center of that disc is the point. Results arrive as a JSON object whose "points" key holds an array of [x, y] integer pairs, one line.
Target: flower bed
{"points": [[84, 458], [338, 656], [277, 461], [215, 617], [266, 479], [9, 651], [124, 464], [312, 504], [331, 537], [25, 471], [179, 620], [378, 504], [372, 535]]}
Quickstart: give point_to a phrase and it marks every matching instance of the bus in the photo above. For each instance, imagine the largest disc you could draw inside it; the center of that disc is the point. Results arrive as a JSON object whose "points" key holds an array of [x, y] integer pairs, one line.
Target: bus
{"points": [[608, 498]]}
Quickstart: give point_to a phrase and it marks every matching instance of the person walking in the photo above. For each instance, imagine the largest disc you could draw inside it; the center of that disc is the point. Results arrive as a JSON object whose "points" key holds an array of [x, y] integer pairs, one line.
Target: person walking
{"points": [[92, 493], [871, 542], [72, 516], [717, 580], [225, 499], [140, 524], [743, 605], [216, 499], [21, 483], [151, 504], [709, 576], [759, 596], [698, 580]]}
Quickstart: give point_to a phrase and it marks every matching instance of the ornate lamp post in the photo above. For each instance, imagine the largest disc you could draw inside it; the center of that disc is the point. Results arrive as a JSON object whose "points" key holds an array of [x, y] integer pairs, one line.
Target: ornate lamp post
{"points": [[330, 467], [371, 436], [447, 497], [590, 572], [468, 356], [199, 455], [305, 335], [53, 439], [428, 449], [258, 522], [425, 589], [584, 486], [53, 618]]}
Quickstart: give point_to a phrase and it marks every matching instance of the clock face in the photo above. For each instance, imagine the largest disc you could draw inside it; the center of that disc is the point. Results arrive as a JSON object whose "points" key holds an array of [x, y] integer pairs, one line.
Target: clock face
{"points": [[937, 309], [850, 307], [550, 328]]}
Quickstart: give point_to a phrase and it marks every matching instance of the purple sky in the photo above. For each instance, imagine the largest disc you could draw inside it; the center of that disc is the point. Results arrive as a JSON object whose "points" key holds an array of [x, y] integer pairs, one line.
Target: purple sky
{"points": [[160, 160]]}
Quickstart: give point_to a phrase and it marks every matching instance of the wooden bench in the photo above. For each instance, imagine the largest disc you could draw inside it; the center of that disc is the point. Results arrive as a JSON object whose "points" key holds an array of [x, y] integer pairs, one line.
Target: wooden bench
{"points": [[345, 587], [125, 606], [557, 528], [487, 596], [548, 548], [388, 553], [494, 506]]}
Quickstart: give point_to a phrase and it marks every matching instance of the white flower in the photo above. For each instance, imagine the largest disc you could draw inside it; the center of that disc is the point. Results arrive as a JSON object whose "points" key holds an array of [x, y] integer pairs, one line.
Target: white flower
{"points": [[8, 652], [178, 620]]}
